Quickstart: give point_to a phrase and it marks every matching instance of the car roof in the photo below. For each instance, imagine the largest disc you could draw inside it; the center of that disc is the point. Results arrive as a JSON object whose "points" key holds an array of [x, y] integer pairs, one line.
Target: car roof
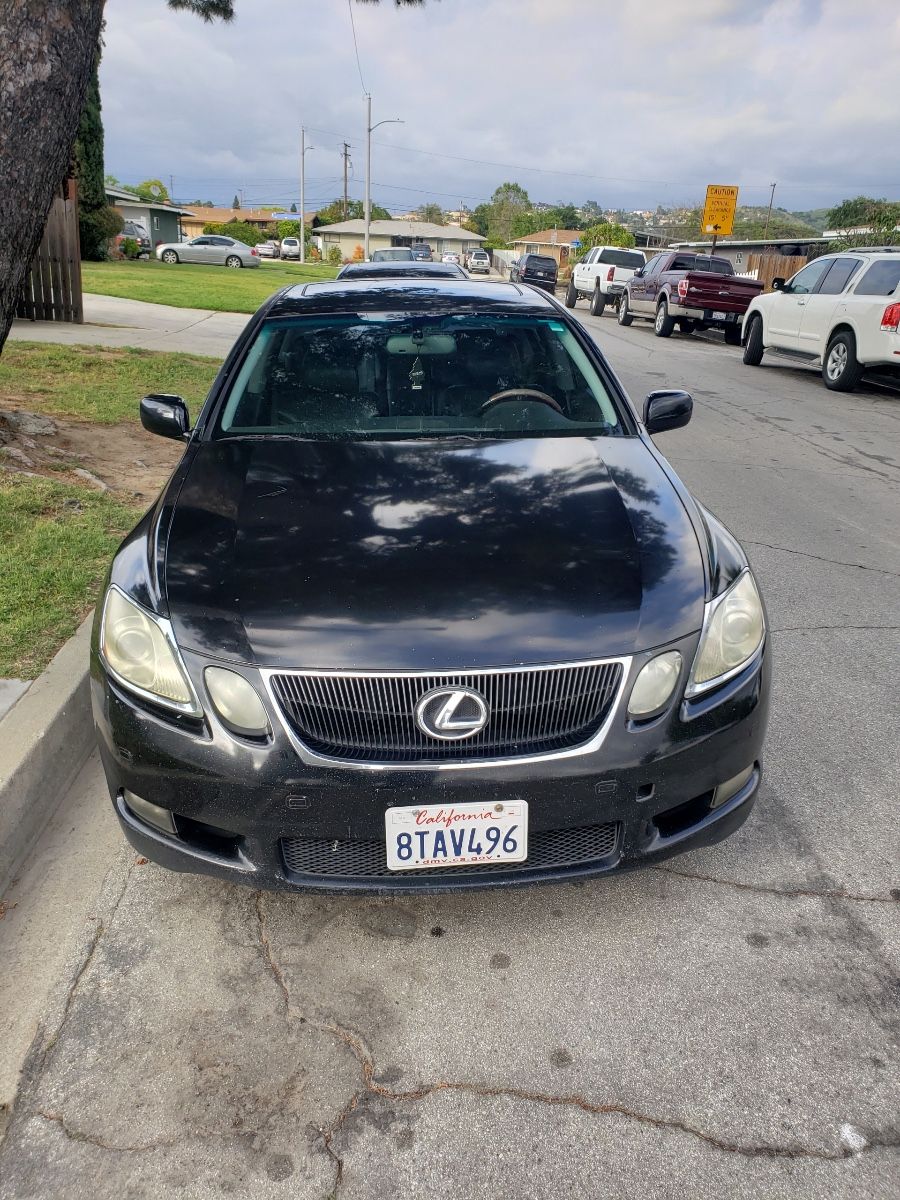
{"points": [[444, 296], [400, 269]]}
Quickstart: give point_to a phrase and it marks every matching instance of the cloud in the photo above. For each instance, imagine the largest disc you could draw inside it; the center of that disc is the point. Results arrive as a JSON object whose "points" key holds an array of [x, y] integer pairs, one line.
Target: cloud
{"points": [[629, 104]]}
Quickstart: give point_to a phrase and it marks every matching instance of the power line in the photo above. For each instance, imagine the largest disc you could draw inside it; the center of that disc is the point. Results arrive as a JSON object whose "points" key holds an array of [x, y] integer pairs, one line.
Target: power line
{"points": [[356, 47]]}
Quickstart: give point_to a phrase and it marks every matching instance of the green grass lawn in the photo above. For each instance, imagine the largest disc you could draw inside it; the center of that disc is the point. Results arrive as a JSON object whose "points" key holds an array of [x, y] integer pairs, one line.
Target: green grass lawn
{"points": [[56, 542], [98, 383], [187, 285]]}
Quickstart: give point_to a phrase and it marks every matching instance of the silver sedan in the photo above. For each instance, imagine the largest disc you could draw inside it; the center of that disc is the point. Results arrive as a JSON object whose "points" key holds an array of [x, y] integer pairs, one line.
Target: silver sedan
{"points": [[212, 249]]}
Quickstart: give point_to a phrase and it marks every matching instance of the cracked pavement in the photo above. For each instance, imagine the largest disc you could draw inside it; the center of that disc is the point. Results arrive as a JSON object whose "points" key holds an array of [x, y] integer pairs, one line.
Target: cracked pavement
{"points": [[724, 1025]]}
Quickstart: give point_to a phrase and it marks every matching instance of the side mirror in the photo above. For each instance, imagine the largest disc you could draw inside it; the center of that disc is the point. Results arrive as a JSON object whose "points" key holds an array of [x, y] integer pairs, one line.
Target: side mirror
{"points": [[778, 284], [639, 273], [166, 415], [667, 410]]}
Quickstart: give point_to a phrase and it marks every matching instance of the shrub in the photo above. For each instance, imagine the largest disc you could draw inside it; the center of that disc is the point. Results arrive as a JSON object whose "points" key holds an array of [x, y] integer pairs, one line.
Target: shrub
{"points": [[358, 253], [241, 231], [334, 255], [130, 248], [313, 254], [96, 229]]}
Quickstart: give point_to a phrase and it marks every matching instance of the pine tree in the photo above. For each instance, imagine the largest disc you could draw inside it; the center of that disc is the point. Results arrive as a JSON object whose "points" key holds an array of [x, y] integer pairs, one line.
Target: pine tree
{"points": [[236, 203], [97, 222]]}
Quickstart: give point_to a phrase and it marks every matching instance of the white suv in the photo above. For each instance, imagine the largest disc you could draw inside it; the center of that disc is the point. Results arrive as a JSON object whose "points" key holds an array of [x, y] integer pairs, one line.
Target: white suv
{"points": [[841, 311], [478, 260]]}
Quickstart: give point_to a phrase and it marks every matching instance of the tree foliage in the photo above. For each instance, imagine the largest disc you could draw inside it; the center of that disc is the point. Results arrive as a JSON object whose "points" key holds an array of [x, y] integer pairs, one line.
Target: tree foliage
{"points": [[508, 203], [333, 214], [606, 234], [97, 221], [879, 218], [153, 190], [431, 212], [241, 231]]}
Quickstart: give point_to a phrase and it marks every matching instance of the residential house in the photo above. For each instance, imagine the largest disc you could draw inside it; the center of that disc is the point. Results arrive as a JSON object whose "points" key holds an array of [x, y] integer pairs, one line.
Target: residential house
{"points": [[555, 243], [160, 219], [347, 235]]}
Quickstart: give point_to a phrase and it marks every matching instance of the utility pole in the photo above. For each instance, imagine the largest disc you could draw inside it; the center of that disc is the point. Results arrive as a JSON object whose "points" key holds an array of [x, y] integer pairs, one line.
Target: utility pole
{"points": [[369, 130], [346, 157], [303, 150], [769, 213], [171, 189]]}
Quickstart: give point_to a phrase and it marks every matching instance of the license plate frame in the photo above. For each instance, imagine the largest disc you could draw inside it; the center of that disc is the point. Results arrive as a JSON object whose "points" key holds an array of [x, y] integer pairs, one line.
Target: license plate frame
{"points": [[719, 316], [454, 835]]}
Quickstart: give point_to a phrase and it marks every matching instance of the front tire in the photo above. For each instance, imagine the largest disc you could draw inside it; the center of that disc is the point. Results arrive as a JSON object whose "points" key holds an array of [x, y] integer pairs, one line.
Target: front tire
{"points": [[753, 350], [169, 256], [664, 325], [841, 370], [598, 303], [571, 295], [624, 317], [233, 261]]}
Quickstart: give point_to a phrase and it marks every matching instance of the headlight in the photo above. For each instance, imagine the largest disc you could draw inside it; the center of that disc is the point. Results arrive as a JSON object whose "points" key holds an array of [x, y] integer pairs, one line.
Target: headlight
{"points": [[140, 654], [236, 702], [655, 684], [732, 634]]}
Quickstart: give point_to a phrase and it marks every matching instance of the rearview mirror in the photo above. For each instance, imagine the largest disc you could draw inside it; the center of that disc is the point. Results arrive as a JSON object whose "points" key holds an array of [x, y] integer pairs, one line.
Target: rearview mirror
{"points": [[665, 410], [166, 415], [778, 284]]}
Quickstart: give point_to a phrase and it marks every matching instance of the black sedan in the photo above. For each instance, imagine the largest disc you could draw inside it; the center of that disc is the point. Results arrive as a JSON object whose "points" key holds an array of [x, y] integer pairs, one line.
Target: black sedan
{"points": [[417, 269], [423, 607]]}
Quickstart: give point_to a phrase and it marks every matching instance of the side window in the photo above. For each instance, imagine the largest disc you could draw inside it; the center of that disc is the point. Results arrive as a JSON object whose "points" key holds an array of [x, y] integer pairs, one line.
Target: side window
{"points": [[592, 257], [202, 241], [842, 270], [881, 279], [805, 281], [684, 262], [653, 265]]}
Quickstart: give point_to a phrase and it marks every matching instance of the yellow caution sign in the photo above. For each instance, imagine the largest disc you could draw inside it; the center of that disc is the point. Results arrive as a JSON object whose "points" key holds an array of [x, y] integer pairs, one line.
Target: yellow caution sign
{"points": [[718, 212]]}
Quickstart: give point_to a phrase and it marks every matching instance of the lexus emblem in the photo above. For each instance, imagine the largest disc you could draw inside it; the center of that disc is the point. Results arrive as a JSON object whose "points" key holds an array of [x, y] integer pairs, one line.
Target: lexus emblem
{"points": [[452, 713]]}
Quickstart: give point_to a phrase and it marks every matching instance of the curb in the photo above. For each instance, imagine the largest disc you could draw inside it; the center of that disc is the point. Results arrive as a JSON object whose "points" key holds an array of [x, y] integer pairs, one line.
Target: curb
{"points": [[45, 740]]}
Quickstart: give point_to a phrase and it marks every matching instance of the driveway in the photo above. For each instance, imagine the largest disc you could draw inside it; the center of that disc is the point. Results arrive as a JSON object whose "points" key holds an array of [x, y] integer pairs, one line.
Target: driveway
{"points": [[724, 1025], [111, 321]]}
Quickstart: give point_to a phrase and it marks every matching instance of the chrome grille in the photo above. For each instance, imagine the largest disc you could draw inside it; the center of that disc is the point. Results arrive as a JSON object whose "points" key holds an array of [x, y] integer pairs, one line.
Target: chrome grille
{"points": [[548, 850], [369, 717]]}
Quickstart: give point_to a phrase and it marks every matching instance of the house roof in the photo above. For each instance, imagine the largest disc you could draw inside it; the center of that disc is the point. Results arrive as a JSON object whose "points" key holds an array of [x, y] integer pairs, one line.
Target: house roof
{"points": [[551, 237], [418, 229], [744, 244], [124, 199]]}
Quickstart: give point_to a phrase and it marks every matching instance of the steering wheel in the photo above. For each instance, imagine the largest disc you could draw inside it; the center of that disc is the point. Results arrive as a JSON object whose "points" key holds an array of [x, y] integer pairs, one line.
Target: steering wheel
{"points": [[531, 393]]}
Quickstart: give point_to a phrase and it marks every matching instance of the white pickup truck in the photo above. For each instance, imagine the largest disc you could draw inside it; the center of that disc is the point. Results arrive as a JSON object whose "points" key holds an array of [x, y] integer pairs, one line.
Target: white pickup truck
{"points": [[602, 275]]}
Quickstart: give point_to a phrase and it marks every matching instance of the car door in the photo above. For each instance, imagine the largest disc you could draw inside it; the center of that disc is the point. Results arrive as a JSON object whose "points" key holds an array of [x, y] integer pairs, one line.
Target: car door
{"points": [[220, 249], [199, 250], [817, 317], [786, 310], [641, 282], [587, 271]]}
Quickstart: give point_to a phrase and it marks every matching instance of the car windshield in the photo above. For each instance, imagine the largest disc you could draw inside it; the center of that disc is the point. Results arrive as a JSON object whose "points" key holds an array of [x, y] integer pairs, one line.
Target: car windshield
{"points": [[403, 376]]}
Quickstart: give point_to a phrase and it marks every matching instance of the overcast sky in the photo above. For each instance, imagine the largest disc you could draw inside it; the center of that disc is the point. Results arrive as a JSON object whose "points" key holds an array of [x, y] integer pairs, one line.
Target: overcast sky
{"points": [[627, 102]]}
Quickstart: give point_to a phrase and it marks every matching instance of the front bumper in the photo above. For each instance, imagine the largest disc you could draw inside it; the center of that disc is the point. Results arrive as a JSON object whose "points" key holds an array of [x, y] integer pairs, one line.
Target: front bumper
{"points": [[245, 810]]}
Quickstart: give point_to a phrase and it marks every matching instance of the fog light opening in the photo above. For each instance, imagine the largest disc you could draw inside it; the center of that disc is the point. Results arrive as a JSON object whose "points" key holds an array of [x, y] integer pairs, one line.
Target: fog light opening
{"points": [[729, 789], [151, 814]]}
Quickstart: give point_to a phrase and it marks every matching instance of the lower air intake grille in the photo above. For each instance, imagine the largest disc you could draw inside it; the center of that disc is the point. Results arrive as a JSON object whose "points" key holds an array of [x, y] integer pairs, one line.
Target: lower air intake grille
{"points": [[548, 850], [371, 717]]}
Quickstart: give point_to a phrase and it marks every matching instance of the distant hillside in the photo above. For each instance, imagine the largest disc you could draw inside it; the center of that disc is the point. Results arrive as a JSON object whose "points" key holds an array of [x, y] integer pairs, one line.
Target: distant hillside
{"points": [[749, 223], [816, 217]]}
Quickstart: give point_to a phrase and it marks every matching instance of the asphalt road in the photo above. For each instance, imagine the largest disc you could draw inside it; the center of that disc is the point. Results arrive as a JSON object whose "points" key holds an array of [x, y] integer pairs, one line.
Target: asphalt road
{"points": [[722, 1026]]}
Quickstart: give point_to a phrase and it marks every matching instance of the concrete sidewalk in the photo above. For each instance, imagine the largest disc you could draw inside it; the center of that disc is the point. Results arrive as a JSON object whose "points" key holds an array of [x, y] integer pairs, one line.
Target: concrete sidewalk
{"points": [[111, 321]]}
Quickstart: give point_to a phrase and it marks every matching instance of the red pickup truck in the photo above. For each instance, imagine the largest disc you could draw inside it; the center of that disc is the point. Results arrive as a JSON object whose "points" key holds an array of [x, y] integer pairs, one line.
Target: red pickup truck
{"points": [[693, 291]]}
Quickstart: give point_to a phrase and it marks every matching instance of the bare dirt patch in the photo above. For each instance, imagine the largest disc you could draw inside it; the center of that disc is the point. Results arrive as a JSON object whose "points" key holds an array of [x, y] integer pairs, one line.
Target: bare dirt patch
{"points": [[125, 458]]}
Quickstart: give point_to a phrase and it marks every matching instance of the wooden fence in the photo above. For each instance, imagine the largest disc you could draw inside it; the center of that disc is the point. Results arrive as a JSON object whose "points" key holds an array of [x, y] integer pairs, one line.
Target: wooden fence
{"points": [[773, 266], [52, 288]]}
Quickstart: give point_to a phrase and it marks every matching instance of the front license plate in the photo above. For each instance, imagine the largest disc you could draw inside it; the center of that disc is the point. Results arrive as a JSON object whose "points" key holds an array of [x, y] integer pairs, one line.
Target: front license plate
{"points": [[455, 835], [719, 316]]}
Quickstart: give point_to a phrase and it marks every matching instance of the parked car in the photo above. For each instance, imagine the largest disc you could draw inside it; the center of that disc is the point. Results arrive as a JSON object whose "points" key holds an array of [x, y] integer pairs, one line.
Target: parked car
{"points": [[421, 252], [537, 269], [450, 256], [478, 261], [269, 249], [212, 249], [401, 270], [841, 311], [137, 233], [602, 276], [422, 607], [393, 254], [290, 247], [694, 291]]}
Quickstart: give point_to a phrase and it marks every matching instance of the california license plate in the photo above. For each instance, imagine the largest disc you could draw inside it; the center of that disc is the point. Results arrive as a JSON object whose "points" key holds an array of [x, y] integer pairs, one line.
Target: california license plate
{"points": [[719, 316], [456, 835]]}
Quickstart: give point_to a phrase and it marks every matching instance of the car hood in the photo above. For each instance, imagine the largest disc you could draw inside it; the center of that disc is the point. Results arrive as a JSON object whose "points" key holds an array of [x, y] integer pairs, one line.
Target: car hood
{"points": [[407, 555]]}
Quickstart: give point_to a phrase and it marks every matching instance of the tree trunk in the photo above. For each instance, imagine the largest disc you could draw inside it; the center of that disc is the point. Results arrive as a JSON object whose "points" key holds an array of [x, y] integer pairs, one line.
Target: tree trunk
{"points": [[47, 50]]}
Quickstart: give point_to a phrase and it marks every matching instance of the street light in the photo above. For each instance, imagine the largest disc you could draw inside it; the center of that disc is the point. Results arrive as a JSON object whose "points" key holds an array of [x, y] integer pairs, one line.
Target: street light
{"points": [[303, 150], [369, 128]]}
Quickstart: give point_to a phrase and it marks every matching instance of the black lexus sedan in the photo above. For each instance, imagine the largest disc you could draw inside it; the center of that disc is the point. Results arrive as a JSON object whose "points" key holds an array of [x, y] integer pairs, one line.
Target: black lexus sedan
{"points": [[423, 607]]}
